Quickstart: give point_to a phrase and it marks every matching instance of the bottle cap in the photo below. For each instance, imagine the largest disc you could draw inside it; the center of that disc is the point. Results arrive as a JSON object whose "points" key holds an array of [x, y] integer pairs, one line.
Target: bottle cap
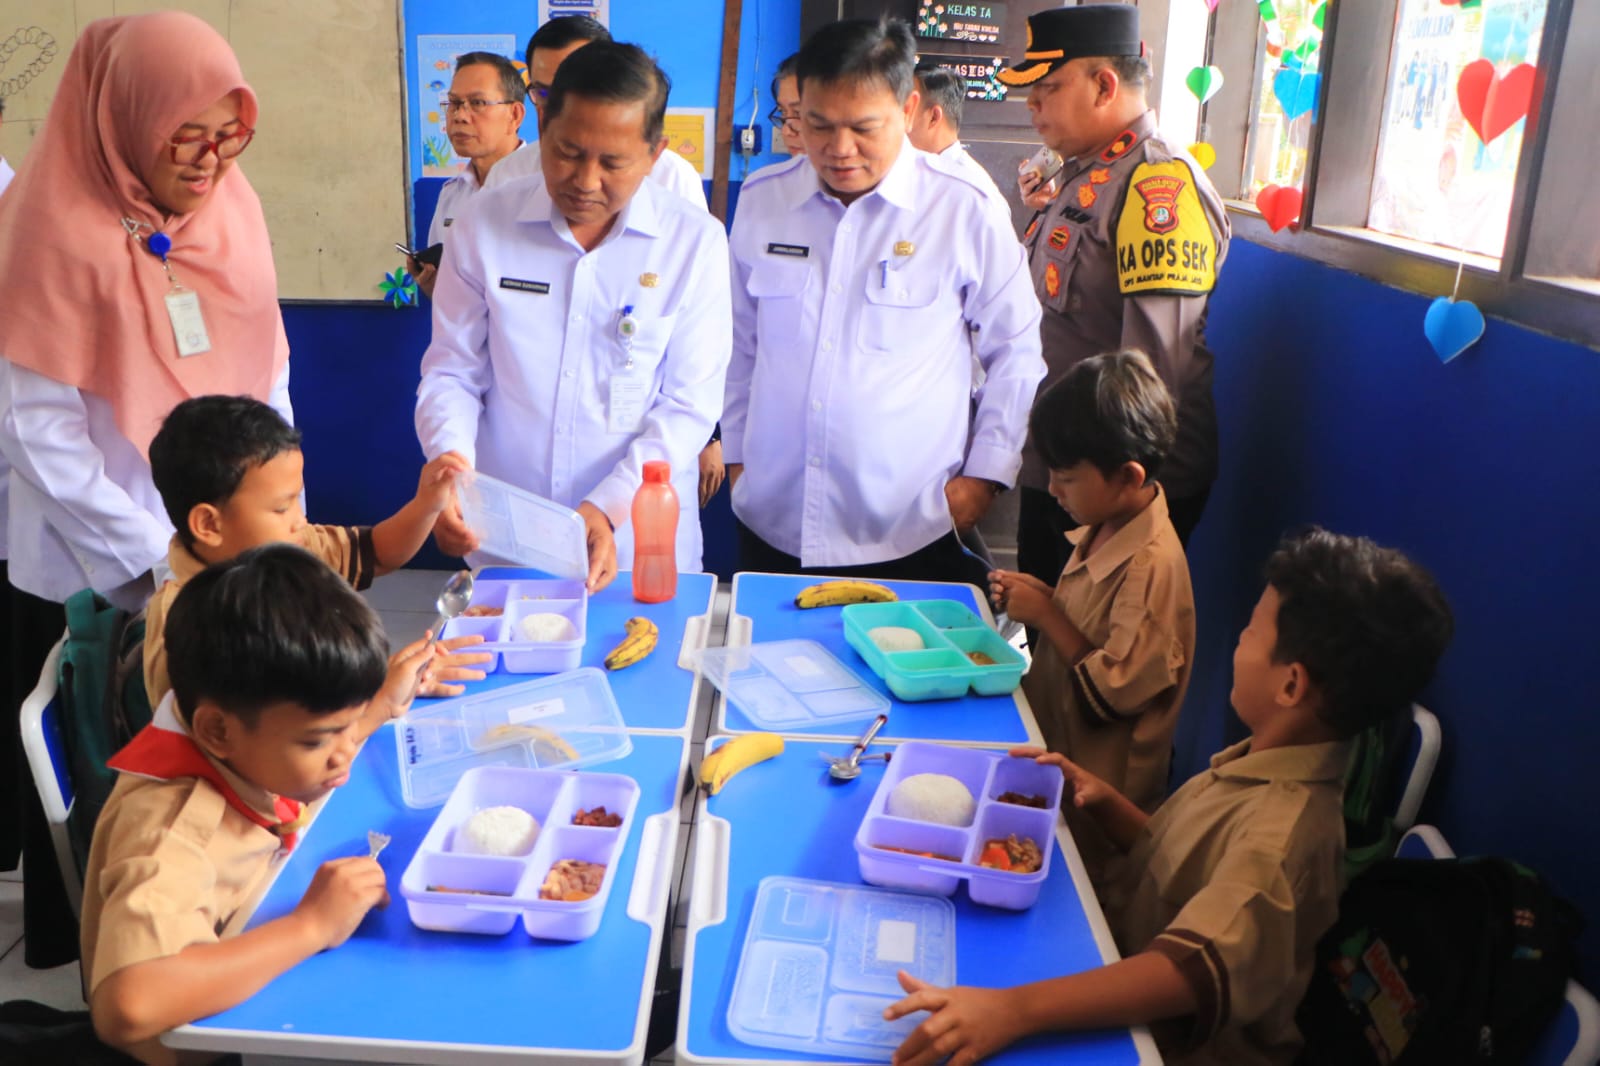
{"points": [[657, 471]]}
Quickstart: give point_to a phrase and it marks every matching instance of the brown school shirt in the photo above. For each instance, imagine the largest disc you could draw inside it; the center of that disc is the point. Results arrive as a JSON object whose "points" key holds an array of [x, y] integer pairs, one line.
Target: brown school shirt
{"points": [[1234, 879], [170, 864], [348, 549], [1113, 713]]}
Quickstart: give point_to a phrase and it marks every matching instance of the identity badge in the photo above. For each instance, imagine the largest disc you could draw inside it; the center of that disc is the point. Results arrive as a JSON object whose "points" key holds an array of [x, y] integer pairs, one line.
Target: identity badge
{"points": [[625, 412], [188, 326]]}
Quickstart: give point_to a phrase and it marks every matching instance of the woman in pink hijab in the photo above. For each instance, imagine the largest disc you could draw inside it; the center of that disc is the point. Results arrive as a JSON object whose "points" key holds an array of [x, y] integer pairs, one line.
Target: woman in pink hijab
{"points": [[136, 271]]}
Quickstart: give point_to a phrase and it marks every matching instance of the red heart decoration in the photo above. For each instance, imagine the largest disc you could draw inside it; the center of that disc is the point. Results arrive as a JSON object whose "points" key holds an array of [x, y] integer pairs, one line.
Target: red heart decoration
{"points": [[1279, 205], [1492, 104]]}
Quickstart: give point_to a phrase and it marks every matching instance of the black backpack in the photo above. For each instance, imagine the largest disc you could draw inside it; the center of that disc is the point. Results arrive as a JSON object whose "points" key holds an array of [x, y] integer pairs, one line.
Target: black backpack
{"points": [[1434, 961]]}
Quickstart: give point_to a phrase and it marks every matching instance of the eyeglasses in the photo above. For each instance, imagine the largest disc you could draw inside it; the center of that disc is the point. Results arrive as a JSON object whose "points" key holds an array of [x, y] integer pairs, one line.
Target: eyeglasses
{"points": [[187, 151], [475, 105], [788, 122]]}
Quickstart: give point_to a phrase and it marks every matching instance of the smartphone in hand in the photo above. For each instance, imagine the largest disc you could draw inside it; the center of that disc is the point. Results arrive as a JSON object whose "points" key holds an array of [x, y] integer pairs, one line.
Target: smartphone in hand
{"points": [[428, 256]]}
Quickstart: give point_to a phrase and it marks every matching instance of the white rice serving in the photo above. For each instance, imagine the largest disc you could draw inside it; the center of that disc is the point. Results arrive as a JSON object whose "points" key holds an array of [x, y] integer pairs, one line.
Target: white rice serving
{"points": [[896, 638], [547, 628], [498, 831], [936, 798]]}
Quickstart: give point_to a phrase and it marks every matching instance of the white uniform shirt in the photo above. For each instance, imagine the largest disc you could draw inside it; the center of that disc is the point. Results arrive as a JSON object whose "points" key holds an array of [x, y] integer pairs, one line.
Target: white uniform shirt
{"points": [[849, 395], [526, 355], [6, 174], [82, 511], [957, 154], [671, 171], [459, 189]]}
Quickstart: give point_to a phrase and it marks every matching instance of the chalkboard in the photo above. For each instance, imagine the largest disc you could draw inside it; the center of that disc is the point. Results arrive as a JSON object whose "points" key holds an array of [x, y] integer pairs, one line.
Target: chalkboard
{"points": [[328, 159]]}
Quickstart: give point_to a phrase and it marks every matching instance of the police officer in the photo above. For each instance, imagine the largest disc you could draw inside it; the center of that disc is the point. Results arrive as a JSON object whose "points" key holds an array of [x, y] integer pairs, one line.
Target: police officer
{"points": [[581, 323], [1126, 254], [861, 271]]}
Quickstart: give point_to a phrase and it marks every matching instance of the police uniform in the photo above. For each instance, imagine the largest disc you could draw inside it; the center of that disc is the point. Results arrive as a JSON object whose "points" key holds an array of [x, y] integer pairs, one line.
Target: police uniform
{"points": [[849, 396], [1124, 257]]}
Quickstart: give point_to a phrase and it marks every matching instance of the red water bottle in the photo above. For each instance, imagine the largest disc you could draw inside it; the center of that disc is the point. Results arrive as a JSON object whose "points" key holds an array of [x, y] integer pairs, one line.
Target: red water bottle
{"points": [[655, 536]]}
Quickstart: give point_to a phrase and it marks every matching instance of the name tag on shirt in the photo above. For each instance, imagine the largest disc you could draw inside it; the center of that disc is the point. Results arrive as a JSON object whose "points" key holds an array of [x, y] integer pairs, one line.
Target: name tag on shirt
{"points": [[188, 327], [625, 412], [794, 251], [519, 285]]}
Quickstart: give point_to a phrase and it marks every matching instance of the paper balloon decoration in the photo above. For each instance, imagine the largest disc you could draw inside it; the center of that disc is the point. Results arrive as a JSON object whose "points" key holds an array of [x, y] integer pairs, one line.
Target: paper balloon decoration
{"points": [[399, 288], [1204, 82], [1452, 326], [1493, 103], [1296, 90], [1203, 154], [1279, 205]]}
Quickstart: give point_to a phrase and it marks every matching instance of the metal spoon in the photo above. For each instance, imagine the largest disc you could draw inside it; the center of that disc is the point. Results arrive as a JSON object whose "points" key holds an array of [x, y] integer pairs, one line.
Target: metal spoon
{"points": [[1001, 621], [849, 768], [453, 599]]}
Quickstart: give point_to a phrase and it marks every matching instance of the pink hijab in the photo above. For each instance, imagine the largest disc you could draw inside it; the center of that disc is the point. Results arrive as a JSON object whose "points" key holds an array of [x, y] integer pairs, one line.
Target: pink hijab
{"points": [[83, 304]]}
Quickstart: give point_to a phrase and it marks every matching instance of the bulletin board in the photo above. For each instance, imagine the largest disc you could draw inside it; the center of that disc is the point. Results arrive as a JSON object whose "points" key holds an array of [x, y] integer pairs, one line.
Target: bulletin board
{"points": [[328, 159]]}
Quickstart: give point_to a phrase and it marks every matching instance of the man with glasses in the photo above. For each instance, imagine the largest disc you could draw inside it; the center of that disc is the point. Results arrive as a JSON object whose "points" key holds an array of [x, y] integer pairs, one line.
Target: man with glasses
{"points": [[785, 115], [485, 110], [549, 47], [1124, 256]]}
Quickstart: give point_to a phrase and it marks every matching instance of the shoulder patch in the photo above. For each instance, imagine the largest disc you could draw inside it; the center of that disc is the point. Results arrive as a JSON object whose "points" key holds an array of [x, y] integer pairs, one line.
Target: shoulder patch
{"points": [[1164, 239]]}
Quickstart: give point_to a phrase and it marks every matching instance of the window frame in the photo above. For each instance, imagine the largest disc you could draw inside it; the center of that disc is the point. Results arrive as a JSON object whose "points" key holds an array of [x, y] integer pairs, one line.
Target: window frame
{"points": [[1553, 234]]}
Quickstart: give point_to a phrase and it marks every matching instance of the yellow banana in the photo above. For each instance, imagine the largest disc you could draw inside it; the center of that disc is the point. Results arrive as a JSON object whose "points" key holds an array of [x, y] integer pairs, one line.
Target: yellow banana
{"points": [[507, 733], [839, 593], [640, 642], [742, 751]]}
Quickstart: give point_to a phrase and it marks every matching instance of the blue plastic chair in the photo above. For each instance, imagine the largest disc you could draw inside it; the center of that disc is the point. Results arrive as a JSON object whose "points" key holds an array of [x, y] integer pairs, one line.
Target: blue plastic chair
{"points": [[47, 759], [1573, 1039]]}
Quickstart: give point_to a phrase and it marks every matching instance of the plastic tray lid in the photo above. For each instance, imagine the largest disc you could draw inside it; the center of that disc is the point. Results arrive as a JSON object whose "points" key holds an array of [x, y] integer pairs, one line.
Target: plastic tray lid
{"points": [[516, 527], [789, 684], [564, 721]]}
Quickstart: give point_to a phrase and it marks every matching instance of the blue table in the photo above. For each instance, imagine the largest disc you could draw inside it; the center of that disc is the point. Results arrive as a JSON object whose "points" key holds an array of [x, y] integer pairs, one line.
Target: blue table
{"points": [[763, 609], [785, 817], [657, 693], [396, 993]]}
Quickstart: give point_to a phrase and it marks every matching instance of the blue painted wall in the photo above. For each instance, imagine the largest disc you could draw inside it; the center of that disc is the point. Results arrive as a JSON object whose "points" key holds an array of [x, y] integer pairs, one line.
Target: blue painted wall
{"points": [[1334, 410]]}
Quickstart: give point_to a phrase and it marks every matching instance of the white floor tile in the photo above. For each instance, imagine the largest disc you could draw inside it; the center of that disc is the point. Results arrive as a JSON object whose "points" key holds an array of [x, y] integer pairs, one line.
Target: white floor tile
{"points": [[59, 988]]}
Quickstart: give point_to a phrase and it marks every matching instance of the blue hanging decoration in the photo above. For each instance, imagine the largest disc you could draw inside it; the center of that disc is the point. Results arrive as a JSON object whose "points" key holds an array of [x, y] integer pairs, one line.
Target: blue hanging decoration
{"points": [[399, 288]]}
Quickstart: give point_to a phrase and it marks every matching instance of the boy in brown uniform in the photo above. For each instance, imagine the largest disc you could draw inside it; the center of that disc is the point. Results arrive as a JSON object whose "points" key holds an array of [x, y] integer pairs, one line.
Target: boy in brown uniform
{"points": [[273, 659], [1230, 884], [1117, 632], [231, 473]]}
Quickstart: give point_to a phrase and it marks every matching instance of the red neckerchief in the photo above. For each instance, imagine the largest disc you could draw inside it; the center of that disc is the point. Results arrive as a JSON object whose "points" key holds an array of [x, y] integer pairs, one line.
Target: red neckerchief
{"points": [[166, 755]]}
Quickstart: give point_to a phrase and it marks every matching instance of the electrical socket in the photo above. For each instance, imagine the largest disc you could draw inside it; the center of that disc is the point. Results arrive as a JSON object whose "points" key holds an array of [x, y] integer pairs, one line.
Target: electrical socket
{"points": [[749, 140]]}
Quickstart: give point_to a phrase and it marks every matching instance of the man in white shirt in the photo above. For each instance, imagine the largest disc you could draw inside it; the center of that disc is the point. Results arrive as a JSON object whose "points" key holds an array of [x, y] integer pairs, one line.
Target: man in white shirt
{"points": [[936, 127], [854, 440], [548, 48], [6, 173], [485, 109], [581, 324]]}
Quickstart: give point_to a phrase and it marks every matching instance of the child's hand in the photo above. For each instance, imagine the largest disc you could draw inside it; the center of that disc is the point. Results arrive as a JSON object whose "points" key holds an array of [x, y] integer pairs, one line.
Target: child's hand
{"points": [[436, 486], [1023, 597], [451, 532], [400, 684], [1084, 790], [341, 894], [451, 664], [966, 1025]]}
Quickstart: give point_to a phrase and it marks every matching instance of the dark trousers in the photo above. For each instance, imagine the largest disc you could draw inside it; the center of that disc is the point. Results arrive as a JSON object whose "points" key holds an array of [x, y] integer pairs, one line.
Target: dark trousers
{"points": [[942, 560], [49, 929], [1042, 527]]}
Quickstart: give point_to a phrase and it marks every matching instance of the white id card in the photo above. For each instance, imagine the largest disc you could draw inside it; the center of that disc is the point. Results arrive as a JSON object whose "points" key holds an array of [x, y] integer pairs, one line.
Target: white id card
{"points": [[188, 327], [625, 414]]}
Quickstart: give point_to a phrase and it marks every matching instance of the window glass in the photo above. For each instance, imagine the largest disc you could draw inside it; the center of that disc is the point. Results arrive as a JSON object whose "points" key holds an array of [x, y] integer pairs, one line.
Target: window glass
{"points": [[1285, 101], [1436, 180]]}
